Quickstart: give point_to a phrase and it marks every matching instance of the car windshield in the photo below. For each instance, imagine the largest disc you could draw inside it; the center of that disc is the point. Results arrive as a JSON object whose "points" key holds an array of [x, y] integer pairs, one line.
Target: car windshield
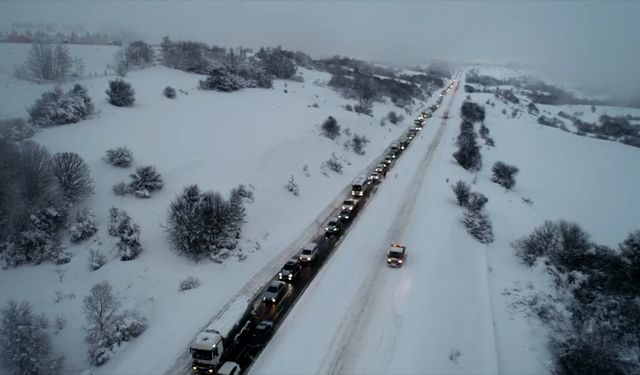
{"points": [[288, 267], [348, 203], [272, 289], [395, 254], [306, 252], [202, 354]]}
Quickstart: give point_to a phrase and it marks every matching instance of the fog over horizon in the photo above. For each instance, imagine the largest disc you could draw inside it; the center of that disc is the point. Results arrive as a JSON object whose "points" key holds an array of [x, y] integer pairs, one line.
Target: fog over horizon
{"points": [[592, 45]]}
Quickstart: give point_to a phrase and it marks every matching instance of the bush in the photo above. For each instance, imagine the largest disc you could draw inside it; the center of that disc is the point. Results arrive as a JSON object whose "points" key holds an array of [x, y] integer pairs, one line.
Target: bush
{"points": [[278, 62], [189, 283], [532, 109], [145, 181], [462, 192], [84, 227], [59, 108], [471, 111], [504, 174], [169, 92], [586, 356], [358, 143], [394, 118], [96, 260], [119, 157], [469, 89], [121, 189], [72, 174], [292, 187], [220, 79], [333, 164], [139, 53], [478, 225], [120, 93], [25, 346], [46, 63], [476, 201], [630, 251], [468, 153], [348, 107], [364, 107], [16, 129], [128, 233], [330, 128], [205, 224]]}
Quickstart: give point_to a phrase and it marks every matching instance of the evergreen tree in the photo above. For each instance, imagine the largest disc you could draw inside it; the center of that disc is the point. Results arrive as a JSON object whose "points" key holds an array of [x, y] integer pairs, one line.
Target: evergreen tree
{"points": [[120, 93]]}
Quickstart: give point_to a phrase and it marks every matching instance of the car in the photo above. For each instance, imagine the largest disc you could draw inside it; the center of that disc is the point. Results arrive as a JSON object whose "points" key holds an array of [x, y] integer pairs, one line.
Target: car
{"points": [[380, 168], [309, 253], [229, 368], [260, 334], [374, 177], [388, 160], [274, 292], [345, 215], [396, 255], [333, 228], [392, 155], [349, 204], [290, 271]]}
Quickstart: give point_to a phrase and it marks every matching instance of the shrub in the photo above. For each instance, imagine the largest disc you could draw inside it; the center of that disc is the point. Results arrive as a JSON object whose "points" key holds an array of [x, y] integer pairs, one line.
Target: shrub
{"points": [[476, 201], [292, 187], [471, 111], [462, 192], [220, 79], [119, 157], [145, 181], [16, 129], [84, 227], [330, 128], [128, 234], [333, 164], [532, 109], [586, 356], [478, 225], [358, 143], [59, 108], [468, 153], [72, 174], [96, 260], [504, 174], [469, 89], [189, 283], [120, 93], [277, 62], [139, 53], [348, 107], [364, 107], [394, 118], [630, 251], [169, 92], [121, 189], [25, 346]]}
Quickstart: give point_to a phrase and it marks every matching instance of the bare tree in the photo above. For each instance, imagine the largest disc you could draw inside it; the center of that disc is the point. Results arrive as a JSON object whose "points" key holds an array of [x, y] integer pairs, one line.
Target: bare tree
{"points": [[45, 62], [72, 174], [101, 308]]}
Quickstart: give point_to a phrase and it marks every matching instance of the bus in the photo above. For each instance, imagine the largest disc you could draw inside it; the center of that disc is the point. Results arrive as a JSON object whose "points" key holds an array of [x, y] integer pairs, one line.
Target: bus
{"points": [[360, 186]]}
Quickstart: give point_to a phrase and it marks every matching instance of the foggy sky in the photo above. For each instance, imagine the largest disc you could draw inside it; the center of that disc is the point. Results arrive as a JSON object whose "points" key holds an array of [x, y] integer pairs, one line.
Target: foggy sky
{"points": [[590, 43]]}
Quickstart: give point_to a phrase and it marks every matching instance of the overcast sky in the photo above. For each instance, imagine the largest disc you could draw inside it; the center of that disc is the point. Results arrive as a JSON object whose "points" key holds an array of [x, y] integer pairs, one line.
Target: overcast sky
{"points": [[595, 43]]}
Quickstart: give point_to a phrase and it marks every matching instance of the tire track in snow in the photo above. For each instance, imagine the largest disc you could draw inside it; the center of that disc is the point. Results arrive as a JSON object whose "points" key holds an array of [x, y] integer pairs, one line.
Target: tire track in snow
{"points": [[360, 310]]}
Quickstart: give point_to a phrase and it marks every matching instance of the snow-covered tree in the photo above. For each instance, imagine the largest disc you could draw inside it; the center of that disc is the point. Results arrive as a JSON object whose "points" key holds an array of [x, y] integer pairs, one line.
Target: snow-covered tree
{"points": [[101, 308], [478, 225], [145, 181], [462, 192], [84, 227], [139, 53], [220, 79], [25, 345], [476, 201], [292, 186], [72, 174], [504, 174], [58, 108], [122, 226], [358, 143], [119, 157], [16, 129], [47, 63], [630, 250], [96, 260], [120, 93]]}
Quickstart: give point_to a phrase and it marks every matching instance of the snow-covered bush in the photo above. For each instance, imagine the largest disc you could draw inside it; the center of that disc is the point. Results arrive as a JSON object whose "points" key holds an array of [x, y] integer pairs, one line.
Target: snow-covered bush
{"points": [[121, 189], [358, 143], [145, 181], [277, 62], [139, 53], [130, 325], [59, 108], [16, 129], [96, 260], [72, 174], [394, 118], [292, 186], [333, 164], [120, 93], [330, 128], [462, 192], [478, 225], [128, 245], [476, 201], [116, 216], [220, 79], [204, 224], [169, 92], [586, 355], [119, 157], [348, 107], [189, 283], [504, 174], [468, 153], [364, 107], [84, 227], [532, 109], [25, 345]]}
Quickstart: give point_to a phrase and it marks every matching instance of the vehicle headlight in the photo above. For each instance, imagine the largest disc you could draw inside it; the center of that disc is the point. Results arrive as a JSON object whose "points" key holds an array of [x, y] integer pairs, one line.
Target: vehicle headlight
{"points": [[400, 261], [273, 300], [290, 276], [194, 368], [280, 275], [388, 259], [326, 228], [210, 371]]}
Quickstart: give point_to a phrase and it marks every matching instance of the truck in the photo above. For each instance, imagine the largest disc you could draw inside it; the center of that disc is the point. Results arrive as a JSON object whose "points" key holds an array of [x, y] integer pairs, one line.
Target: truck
{"points": [[212, 347], [360, 186], [396, 255]]}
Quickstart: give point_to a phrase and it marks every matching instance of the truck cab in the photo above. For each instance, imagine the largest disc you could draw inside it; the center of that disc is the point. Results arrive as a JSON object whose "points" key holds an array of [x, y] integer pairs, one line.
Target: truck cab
{"points": [[396, 255]]}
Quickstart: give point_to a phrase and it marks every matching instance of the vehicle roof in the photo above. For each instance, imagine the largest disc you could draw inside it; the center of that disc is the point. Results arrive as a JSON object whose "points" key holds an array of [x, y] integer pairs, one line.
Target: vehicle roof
{"points": [[310, 246], [228, 318], [205, 340], [227, 367]]}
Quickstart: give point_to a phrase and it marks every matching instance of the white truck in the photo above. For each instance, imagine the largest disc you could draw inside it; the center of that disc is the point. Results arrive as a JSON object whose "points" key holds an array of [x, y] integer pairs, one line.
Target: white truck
{"points": [[396, 255], [211, 348]]}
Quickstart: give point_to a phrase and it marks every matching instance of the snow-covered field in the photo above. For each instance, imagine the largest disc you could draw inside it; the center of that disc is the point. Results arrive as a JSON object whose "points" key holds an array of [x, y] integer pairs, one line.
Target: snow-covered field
{"points": [[445, 311], [451, 308], [255, 137]]}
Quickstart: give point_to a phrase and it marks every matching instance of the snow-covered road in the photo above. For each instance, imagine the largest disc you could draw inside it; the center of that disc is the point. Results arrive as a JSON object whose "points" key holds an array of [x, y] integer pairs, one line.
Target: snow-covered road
{"points": [[358, 316]]}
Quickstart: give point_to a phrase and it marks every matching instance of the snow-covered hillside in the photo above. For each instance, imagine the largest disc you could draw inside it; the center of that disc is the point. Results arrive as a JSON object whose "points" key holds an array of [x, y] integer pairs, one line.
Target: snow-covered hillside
{"points": [[255, 137], [455, 307]]}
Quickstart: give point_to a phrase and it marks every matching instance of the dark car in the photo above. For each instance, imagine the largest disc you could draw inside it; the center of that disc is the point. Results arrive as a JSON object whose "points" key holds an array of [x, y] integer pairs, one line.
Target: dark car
{"points": [[274, 292], [345, 215], [289, 271], [260, 334], [333, 228]]}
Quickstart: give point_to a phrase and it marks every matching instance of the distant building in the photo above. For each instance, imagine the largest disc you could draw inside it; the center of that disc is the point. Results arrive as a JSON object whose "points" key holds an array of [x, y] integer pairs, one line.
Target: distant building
{"points": [[18, 39]]}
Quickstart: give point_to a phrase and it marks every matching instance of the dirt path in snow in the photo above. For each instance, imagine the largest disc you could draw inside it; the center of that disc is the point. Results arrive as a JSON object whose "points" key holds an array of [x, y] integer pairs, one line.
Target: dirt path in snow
{"points": [[340, 359]]}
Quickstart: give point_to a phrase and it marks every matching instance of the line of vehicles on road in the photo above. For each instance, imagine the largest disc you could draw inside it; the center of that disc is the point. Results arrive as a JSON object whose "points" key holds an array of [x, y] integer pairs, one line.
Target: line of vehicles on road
{"points": [[238, 327]]}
